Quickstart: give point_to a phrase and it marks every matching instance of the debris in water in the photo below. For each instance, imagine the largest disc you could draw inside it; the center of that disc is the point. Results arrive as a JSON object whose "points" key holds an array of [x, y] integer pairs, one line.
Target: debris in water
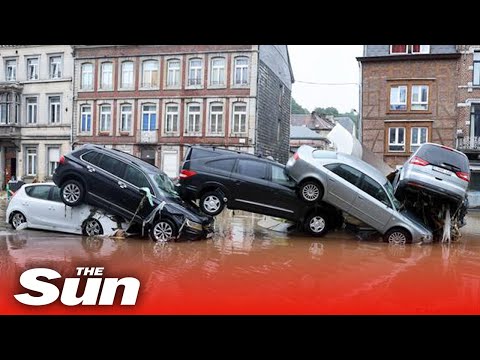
{"points": [[447, 224]]}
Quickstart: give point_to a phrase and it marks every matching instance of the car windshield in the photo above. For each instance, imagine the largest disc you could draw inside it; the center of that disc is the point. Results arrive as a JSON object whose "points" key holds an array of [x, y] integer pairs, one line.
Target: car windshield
{"points": [[164, 183], [388, 186]]}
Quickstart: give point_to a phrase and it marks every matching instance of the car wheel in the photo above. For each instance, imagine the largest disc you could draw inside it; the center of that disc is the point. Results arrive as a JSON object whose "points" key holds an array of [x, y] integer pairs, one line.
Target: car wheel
{"points": [[92, 227], [397, 236], [163, 230], [72, 193], [211, 203], [17, 219], [311, 191], [317, 224]]}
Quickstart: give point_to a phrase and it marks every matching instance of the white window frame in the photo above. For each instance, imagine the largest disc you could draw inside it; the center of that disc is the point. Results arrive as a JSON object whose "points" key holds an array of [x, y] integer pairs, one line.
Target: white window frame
{"points": [[217, 73], [420, 102], [125, 117], [31, 110], [237, 115], [35, 68], [214, 115], [131, 75], [82, 112], [50, 168], [57, 111], [244, 70], [419, 142], [153, 81], [173, 73], [105, 118], [55, 72], [11, 75], [31, 160], [150, 113], [398, 98], [106, 77], [424, 49], [396, 143], [194, 118], [86, 83], [171, 118], [196, 71]]}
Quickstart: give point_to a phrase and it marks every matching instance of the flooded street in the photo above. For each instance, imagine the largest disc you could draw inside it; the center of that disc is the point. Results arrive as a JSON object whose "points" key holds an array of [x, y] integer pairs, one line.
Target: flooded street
{"points": [[247, 269]]}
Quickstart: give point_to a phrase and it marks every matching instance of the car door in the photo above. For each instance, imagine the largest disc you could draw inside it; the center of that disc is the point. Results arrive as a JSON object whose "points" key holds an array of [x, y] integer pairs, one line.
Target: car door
{"points": [[61, 217], [343, 181], [37, 205], [372, 204], [251, 181], [134, 180]]}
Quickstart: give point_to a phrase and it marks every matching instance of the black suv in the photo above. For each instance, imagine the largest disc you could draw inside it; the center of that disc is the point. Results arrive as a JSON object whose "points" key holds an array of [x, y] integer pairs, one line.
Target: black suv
{"points": [[120, 183], [239, 180]]}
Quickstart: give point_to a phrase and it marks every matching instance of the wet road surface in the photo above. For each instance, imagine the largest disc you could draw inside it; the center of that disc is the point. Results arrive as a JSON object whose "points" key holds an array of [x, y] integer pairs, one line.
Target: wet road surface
{"points": [[247, 269]]}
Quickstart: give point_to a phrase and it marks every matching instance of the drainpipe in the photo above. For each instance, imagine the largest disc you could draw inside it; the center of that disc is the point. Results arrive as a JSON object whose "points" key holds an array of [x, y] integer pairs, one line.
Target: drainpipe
{"points": [[360, 100], [73, 99]]}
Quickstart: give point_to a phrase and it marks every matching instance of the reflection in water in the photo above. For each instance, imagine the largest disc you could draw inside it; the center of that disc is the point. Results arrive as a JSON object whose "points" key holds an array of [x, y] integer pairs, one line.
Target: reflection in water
{"points": [[245, 268]]}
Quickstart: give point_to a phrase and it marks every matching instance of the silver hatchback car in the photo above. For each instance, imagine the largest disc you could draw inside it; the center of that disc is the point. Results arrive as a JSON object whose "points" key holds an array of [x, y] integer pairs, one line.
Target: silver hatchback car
{"points": [[356, 188]]}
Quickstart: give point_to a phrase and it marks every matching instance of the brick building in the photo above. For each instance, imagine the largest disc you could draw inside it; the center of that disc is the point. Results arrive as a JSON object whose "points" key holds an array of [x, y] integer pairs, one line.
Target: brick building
{"points": [[154, 100], [35, 109], [408, 97]]}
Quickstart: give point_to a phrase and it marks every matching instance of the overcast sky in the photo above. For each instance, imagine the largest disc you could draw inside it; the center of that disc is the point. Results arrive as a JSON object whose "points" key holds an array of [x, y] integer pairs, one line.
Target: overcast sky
{"points": [[325, 64]]}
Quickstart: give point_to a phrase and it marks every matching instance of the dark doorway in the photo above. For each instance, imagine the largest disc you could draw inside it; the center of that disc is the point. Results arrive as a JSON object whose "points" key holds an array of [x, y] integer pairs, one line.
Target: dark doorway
{"points": [[13, 167], [148, 155]]}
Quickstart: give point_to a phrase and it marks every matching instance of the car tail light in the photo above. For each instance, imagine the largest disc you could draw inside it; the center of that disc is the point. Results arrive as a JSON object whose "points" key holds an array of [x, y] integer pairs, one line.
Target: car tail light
{"points": [[62, 160], [296, 156], [418, 161], [185, 174], [463, 175]]}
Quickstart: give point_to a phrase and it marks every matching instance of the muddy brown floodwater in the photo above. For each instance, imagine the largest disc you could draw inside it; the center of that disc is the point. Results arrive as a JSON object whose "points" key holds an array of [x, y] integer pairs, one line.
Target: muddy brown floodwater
{"points": [[246, 269]]}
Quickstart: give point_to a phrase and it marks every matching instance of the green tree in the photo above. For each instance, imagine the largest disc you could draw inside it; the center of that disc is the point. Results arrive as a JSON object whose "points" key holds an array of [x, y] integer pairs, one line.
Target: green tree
{"points": [[327, 111], [297, 108]]}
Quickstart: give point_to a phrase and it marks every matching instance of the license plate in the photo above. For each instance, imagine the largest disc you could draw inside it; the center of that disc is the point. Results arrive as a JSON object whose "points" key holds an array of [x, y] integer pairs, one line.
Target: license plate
{"points": [[441, 170]]}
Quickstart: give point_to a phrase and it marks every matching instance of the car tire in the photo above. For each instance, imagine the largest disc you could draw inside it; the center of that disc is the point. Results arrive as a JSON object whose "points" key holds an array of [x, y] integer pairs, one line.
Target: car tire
{"points": [[317, 224], [72, 193], [17, 219], [211, 203], [163, 230], [397, 236], [92, 227], [311, 191]]}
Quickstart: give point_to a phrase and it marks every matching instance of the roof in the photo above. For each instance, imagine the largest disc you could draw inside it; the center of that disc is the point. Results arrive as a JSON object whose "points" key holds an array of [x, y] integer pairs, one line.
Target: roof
{"points": [[303, 132], [346, 122], [313, 121]]}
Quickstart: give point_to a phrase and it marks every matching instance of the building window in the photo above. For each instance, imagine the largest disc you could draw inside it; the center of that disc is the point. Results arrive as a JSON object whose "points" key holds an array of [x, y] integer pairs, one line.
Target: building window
{"points": [[419, 97], [396, 139], [32, 69], [105, 118], [106, 72], [171, 119], [126, 81], [32, 107], [409, 49], [149, 117], [54, 109], [193, 118], [173, 72], [398, 98], [17, 109], [150, 74], [87, 77], [240, 118], [85, 118], [217, 71], [31, 163], [195, 72], [241, 71], [11, 70], [126, 118], [53, 159], [476, 68], [216, 118], [55, 67], [419, 136]]}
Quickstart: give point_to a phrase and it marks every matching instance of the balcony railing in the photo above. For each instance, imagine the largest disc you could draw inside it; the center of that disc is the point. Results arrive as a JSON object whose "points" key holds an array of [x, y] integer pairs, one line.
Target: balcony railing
{"points": [[469, 143]]}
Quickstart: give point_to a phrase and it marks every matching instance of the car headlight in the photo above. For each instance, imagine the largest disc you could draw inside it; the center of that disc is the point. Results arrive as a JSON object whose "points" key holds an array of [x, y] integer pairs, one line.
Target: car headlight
{"points": [[194, 225]]}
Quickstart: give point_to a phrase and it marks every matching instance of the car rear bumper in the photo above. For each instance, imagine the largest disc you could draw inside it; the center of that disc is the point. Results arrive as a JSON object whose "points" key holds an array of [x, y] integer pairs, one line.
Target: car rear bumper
{"points": [[413, 184]]}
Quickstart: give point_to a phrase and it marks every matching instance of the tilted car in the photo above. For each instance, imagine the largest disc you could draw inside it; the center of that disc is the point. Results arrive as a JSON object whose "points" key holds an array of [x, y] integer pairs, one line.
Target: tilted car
{"points": [[40, 207], [239, 180], [356, 188], [129, 187]]}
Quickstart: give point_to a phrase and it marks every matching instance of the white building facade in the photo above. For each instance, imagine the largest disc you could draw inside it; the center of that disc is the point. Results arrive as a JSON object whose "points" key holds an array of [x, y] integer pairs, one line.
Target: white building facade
{"points": [[36, 97]]}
